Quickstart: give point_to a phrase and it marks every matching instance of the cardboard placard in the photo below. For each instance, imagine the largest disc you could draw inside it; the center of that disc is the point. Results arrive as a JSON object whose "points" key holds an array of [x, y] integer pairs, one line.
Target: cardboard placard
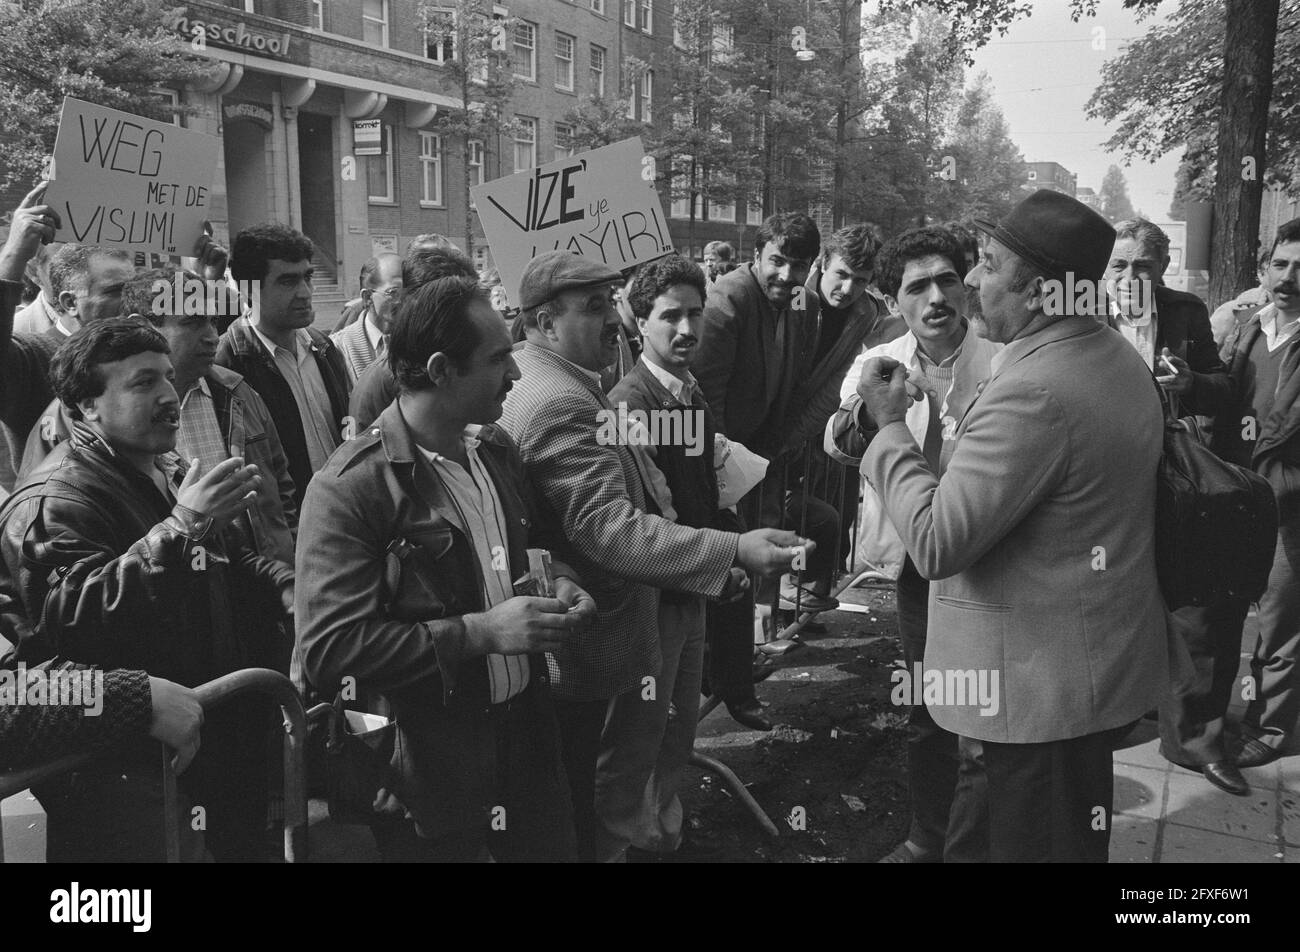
{"points": [[124, 181], [600, 204]]}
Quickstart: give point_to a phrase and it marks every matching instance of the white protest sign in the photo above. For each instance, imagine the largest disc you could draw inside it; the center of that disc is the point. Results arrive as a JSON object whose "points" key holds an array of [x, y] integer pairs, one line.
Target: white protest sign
{"points": [[600, 204], [128, 182]]}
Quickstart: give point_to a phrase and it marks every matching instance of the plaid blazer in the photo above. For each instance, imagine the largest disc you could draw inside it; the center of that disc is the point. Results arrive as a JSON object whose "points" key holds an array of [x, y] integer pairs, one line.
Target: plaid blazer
{"points": [[590, 505]]}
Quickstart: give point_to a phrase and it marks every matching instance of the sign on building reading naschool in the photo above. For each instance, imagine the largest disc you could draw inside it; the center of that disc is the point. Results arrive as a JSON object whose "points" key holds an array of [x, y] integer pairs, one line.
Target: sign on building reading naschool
{"points": [[600, 204], [129, 182]]}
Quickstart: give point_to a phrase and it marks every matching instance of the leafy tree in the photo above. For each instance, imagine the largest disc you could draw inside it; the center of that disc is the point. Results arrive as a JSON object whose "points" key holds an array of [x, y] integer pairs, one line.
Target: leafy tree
{"points": [[987, 169], [1115, 203], [476, 51], [1206, 82], [113, 53]]}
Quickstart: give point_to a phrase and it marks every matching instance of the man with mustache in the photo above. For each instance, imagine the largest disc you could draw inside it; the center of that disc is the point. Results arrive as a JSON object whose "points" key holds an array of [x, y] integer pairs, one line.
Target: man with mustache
{"points": [[412, 539], [295, 368], [756, 323], [221, 415], [667, 298], [1261, 430], [920, 273], [604, 503], [1053, 465], [117, 555], [1171, 330]]}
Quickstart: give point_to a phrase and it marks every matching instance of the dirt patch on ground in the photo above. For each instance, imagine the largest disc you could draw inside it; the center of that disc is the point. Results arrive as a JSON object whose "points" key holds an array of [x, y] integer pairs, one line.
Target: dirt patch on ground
{"points": [[833, 774]]}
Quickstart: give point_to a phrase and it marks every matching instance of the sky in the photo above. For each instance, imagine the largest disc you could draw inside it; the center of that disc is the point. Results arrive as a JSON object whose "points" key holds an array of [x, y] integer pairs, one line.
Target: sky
{"points": [[1045, 69]]}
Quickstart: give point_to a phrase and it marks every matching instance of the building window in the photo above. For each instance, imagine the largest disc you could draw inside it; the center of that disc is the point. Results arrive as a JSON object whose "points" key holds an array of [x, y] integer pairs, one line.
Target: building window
{"points": [[475, 162], [374, 22], [563, 141], [598, 70], [564, 61], [317, 12], [525, 143], [440, 35], [681, 207], [598, 6], [430, 168], [525, 58], [721, 211], [379, 171], [482, 259], [647, 15], [647, 94], [754, 215], [724, 39], [629, 13]]}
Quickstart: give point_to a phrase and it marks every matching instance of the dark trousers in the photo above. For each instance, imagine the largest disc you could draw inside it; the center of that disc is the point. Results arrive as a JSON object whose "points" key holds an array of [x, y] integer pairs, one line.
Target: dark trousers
{"points": [[530, 816], [113, 813], [1040, 803], [730, 628], [1192, 717], [581, 724], [931, 751], [1271, 716]]}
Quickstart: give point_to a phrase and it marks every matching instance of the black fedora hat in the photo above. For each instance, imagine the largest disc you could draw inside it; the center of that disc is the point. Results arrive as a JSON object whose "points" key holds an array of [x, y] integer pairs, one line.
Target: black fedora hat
{"points": [[1059, 234]]}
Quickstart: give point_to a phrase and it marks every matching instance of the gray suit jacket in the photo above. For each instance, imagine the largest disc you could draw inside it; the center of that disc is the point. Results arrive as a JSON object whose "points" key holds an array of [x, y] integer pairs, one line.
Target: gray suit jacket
{"points": [[590, 500], [1041, 539]]}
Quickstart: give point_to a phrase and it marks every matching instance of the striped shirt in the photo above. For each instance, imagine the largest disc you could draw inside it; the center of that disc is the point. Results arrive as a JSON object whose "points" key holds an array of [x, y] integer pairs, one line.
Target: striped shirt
{"points": [[481, 519]]}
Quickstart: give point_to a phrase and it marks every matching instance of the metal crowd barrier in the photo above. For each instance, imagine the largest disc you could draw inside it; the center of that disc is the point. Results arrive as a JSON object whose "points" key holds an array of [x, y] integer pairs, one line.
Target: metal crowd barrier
{"points": [[211, 695]]}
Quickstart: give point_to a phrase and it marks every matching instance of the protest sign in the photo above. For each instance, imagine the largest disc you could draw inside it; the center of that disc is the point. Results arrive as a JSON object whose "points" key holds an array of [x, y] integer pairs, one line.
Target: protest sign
{"points": [[600, 204], [128, 182]]}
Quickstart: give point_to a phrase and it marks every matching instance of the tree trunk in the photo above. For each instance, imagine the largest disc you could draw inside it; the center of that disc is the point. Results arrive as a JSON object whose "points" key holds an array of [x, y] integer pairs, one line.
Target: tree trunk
{"points": [[1248, 48]]}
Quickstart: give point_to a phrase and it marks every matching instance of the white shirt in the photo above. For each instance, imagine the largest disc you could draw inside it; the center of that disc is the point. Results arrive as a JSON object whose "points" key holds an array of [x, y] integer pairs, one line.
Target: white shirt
{"points": [[1276, 327], [298, 367], [373, 335], [1139, 331], [682, 390], [475, 497]]}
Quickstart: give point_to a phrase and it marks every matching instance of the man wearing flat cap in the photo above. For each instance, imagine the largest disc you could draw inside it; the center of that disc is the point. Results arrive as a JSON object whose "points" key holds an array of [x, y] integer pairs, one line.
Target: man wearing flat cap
{"points": [[1046, 626], [600, 503]]}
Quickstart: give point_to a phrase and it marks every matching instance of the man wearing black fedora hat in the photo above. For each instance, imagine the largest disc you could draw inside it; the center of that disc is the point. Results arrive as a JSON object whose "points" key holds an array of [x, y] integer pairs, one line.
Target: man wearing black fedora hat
{"points": [[1040, 541]]}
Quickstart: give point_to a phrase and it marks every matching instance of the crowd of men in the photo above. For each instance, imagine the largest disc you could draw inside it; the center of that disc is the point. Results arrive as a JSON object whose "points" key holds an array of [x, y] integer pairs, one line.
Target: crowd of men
{"points": [[197, 490]]}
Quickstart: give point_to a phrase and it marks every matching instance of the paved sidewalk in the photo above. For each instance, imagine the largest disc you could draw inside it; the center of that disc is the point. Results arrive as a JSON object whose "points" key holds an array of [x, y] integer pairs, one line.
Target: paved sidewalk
{"points": [[1168, 814]]}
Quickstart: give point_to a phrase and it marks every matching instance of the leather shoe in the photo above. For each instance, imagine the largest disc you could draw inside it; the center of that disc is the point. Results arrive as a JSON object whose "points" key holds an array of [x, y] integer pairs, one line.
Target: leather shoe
{"points": [[1256, 753], [749, 713], [905, 853], [1225, 775]]}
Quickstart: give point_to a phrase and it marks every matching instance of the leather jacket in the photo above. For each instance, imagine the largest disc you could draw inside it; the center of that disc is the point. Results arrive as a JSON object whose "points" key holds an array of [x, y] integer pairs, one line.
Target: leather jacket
{"points": [[386, 574], [100, 568]]}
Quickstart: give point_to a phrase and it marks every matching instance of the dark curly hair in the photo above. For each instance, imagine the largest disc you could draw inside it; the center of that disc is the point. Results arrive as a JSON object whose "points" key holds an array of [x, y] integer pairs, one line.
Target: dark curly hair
{"points": [[74, 369], [433, 317], [855, 244], [894, 254], [655, 277], [257, 245]]}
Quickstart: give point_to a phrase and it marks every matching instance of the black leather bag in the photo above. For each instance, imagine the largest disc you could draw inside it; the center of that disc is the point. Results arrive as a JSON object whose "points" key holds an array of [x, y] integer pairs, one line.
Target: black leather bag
{"points": [[1216, 523], [357, 767]]}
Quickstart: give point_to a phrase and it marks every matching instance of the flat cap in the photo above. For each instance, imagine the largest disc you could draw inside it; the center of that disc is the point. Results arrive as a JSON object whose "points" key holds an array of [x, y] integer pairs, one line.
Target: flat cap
{"points": [[554, 271]]}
